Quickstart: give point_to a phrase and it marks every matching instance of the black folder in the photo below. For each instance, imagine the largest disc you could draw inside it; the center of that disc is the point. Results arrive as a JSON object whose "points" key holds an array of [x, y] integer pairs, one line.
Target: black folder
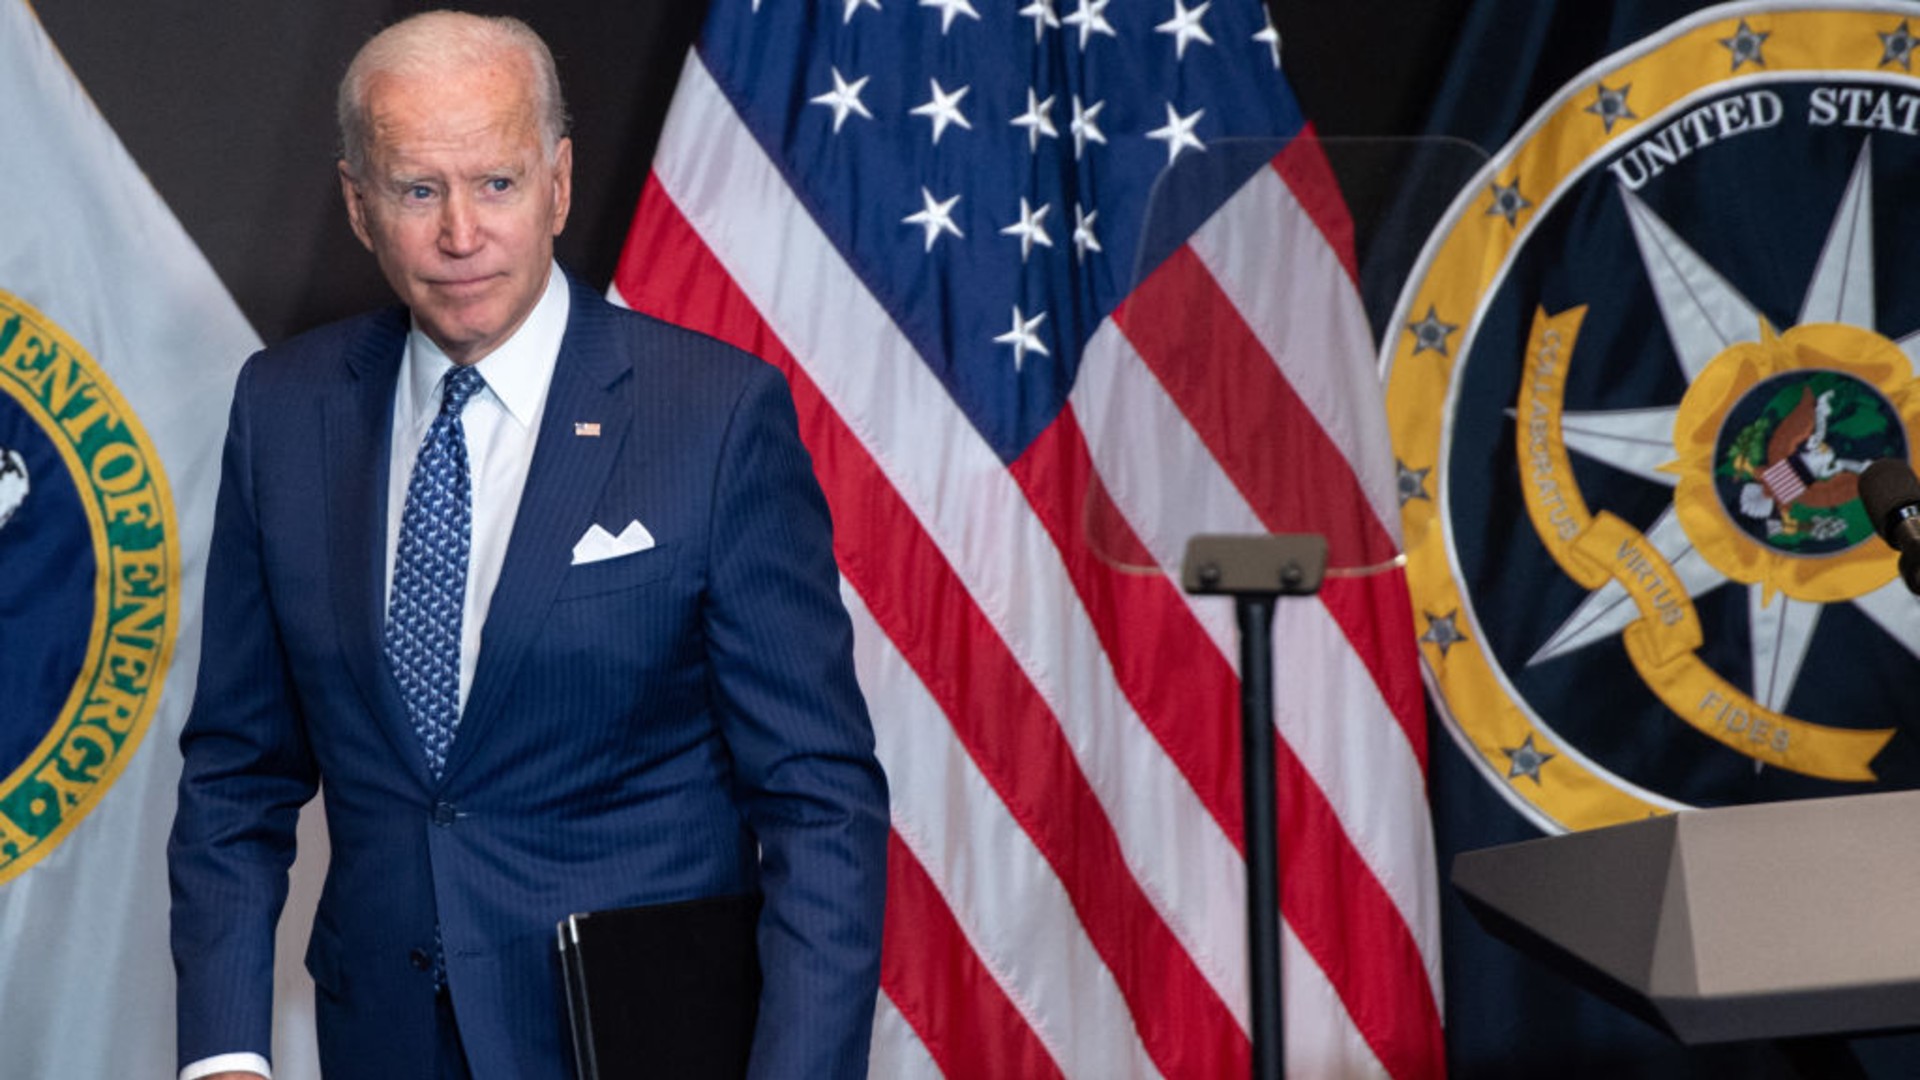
{"points": [[665, 990]]}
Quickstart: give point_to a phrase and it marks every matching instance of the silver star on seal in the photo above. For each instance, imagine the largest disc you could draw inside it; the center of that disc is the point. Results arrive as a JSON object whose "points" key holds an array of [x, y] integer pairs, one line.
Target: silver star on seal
{"points": [[1508, 202], [1745, 45], [1611, 106], [1413, 485], [1527, 759], [1897, 46], [1441, 631], [1430, 334]]}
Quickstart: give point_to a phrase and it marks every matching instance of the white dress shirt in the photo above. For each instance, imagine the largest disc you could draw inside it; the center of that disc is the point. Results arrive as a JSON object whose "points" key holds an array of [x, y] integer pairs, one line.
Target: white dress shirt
{"points": [[502, 423]]}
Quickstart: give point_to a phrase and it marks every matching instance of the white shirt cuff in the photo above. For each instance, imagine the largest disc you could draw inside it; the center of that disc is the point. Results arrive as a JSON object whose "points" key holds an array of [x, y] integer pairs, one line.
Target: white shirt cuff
{"points": [[220, 1063]]}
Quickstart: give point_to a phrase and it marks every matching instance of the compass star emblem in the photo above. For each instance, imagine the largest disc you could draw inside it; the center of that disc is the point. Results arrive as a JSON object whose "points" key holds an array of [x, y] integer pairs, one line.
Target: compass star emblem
{"points": [[1709, 322]]}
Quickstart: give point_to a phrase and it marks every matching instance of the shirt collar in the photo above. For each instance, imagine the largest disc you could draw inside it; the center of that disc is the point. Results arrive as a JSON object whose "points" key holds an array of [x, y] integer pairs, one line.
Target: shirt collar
{"points": [[517, 372]]}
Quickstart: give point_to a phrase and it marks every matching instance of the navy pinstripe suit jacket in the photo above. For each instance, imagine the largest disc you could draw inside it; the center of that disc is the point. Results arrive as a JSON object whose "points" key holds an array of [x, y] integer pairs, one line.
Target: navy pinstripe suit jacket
{"points": [[676, 723]]}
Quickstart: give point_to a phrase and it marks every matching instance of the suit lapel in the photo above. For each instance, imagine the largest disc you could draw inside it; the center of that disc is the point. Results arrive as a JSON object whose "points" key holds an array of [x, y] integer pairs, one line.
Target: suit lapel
{"points": [[564, 482], [359, 438]]}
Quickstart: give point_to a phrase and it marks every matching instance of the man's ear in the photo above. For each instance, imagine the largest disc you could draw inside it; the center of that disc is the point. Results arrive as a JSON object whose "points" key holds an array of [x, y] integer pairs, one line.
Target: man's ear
{"points": [[562, 183], [356, 206]]}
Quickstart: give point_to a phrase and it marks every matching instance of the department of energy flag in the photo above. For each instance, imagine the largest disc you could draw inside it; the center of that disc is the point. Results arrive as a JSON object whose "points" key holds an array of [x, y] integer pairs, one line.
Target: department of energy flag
{"points": [[929, 217], [117, 352]]}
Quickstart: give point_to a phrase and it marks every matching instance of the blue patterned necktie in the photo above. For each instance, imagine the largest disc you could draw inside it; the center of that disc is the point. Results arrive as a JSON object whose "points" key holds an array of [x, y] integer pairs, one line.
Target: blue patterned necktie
{"points": [[430, 575]]}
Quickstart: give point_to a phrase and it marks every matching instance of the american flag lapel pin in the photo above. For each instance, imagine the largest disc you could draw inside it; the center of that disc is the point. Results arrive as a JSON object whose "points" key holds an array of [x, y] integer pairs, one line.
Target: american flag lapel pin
{"points": [[586, 428]]}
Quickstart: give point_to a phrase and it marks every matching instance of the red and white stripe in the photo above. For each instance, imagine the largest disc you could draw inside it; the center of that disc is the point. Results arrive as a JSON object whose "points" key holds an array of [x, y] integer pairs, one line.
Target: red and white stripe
{"points": [[1059, 720], [1782, 482]]}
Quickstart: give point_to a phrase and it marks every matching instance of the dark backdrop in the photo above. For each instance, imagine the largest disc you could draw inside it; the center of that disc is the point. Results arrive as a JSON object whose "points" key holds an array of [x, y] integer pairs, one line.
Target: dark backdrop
{"points": [[228, 106]]}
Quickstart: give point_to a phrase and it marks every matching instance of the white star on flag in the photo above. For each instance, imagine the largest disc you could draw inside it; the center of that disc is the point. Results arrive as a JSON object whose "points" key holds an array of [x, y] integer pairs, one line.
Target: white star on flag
{"points": [[1084, 129], [1023, 338], [1185, 26], [1083, 238], [1036, 120], [1270, 37], [845, 98], [1178, 132], [934, 216], [943, 109], [1030, 229], [950, 8], [1041, 12], [852, 6], [1089, 19]]}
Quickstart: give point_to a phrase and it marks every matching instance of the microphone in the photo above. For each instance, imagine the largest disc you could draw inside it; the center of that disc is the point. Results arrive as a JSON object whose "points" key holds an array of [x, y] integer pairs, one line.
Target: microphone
{"points": [[1891, 494]]}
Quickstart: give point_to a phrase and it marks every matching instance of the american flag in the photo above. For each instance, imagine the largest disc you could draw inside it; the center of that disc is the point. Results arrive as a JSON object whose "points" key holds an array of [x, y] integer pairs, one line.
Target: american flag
{"points": [[1025, 380]]}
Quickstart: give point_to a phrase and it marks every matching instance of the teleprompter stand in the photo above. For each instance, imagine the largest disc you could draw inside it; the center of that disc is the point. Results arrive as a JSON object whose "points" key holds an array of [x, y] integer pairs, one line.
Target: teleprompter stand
{"points": [[1255, 571]]}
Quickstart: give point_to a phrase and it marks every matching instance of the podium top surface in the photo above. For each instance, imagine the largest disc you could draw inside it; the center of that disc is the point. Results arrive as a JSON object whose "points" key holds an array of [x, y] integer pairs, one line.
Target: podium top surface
{"points": [[1772, 919]]}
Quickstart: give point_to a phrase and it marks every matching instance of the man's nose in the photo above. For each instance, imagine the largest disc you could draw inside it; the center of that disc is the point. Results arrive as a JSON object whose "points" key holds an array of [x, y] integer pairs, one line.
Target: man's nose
{"points": [[460, 231]]}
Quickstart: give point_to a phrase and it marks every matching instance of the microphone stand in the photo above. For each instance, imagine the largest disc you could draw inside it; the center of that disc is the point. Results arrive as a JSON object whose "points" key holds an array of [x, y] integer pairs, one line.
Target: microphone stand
{"points": [[1255, 571]]}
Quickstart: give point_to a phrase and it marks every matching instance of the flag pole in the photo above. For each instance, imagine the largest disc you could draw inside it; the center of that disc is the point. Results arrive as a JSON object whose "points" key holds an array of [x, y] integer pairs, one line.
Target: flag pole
{"points": [[1256, 571]]}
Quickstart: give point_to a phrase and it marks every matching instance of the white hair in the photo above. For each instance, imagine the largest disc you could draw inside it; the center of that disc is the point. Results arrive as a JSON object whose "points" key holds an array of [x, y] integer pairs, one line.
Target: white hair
{"points": [[436, 42]]}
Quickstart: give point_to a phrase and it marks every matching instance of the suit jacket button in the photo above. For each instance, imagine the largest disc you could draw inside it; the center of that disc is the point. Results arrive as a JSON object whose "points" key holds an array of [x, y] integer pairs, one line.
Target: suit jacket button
{"points": [[444, 813], [419, 959]]}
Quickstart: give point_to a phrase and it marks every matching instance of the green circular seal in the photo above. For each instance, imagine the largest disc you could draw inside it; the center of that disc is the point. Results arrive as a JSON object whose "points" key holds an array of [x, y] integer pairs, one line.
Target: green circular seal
{"points": [[89, 584], [1789, 457]]}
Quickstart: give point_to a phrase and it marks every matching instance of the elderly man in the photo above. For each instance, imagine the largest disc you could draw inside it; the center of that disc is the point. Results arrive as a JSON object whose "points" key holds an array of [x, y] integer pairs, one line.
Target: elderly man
{"points": [[542, 592]]}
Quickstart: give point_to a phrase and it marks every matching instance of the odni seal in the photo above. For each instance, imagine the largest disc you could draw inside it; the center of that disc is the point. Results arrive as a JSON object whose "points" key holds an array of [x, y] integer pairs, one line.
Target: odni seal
{"points": [[1671, 322]]}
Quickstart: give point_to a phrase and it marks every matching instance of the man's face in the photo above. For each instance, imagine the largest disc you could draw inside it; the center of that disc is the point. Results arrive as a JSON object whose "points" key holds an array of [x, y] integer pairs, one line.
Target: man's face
{"points": [[459, 202]]}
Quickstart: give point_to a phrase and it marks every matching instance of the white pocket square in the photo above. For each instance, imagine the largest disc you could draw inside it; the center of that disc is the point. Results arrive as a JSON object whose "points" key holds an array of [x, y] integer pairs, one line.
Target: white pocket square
{"points": [[597, 543]]}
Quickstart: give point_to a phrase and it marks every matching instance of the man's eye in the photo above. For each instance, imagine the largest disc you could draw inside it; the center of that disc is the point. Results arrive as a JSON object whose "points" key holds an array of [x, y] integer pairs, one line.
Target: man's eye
{"points": [[419, 193], [499, 184]]}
